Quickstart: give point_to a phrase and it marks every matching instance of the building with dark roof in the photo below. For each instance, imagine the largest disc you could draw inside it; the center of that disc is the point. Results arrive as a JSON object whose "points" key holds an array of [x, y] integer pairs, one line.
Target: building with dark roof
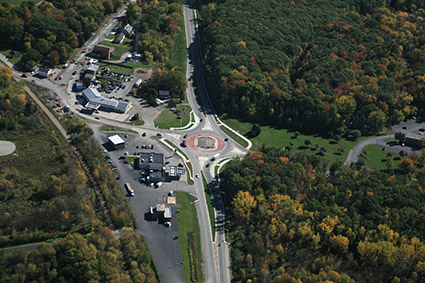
{"points": [[119, 38], [153, 163], [102, 52]]}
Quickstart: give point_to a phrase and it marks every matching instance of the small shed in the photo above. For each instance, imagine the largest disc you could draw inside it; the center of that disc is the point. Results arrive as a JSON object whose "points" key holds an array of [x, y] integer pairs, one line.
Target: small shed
{"points": [[116, 141]]}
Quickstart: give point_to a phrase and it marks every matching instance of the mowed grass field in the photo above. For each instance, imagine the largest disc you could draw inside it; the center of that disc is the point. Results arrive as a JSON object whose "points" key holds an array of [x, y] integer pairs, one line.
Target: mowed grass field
{"points": [[334, 150], [376, 158], [168, 118], [188, 222]]}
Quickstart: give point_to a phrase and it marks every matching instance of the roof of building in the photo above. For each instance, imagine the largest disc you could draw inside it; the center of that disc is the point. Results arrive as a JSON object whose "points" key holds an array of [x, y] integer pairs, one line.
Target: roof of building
{"points": [[91, 93], [160, 207], [167, 213], [94, 97], [128, 28], [164, 92], [171, 200], [44, 70], [93, 68], [106, 102], [156, 157], [122, 106], [120, 37], [89, 76], [116, 139], [92, 106], [102, 48]]}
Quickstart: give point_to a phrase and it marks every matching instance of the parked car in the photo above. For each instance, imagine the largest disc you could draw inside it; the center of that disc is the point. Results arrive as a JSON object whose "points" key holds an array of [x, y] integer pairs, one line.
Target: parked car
{"points": [[24, 76], [185, 136]]}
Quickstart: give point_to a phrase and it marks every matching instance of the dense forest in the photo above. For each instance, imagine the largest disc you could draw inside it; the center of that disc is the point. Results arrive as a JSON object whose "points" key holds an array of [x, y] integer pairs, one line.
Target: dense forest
{"points": [[161, 32], [322, 66], [159, 27], [49, 31], [291, 219], [98, 258]]}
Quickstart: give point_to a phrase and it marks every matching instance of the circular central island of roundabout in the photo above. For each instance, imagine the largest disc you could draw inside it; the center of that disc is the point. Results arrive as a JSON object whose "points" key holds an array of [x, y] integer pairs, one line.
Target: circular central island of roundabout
{"points": [[206, 143]]}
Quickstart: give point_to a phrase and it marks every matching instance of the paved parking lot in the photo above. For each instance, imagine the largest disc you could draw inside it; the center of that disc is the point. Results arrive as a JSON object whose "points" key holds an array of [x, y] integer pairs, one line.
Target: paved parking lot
{"points": [[412, 127], [163, 242]]}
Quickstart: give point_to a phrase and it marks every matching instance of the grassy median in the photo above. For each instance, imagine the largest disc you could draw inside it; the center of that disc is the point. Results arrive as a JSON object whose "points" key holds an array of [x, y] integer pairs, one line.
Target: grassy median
{"points": [[210, 203], [190, 239]]}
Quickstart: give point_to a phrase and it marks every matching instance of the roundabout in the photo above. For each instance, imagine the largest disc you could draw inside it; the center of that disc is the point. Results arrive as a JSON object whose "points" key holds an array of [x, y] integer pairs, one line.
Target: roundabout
{"points": [[206, 143]]}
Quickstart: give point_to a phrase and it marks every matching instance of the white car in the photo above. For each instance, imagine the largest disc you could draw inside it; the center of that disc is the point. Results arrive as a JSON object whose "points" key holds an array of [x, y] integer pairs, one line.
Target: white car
{"points": [[197, 175]]}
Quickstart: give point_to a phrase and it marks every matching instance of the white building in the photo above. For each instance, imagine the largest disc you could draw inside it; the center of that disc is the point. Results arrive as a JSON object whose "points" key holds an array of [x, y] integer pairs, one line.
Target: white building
{"points": [[116, 141], [45, 72], [96, 101]]}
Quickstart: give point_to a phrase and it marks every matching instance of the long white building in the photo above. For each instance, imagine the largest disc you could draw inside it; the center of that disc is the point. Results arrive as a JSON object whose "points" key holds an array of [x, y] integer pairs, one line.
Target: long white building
{"points": [[96, 101]]}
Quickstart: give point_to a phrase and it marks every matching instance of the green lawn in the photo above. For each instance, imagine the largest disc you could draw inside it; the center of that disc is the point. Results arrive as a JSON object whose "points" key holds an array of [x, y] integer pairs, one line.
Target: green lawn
{"points": [[138, 122], [7, 51], [188, 222], [334, 150], [116, 69], [168, 118], [210, 204], [120, 48], [131, 159], [111, 36], [376, 158], [189, 173]]}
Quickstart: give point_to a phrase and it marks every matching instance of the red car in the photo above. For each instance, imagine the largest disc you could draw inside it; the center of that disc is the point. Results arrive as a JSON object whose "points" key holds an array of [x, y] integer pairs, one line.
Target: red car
{"points": [[185, 136], [57, 78], [202, 120]]}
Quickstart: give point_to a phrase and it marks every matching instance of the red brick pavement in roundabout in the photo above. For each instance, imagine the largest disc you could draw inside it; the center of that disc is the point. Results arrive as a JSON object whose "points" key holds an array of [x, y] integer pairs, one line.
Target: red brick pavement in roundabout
{"points": [[192, 141]]}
